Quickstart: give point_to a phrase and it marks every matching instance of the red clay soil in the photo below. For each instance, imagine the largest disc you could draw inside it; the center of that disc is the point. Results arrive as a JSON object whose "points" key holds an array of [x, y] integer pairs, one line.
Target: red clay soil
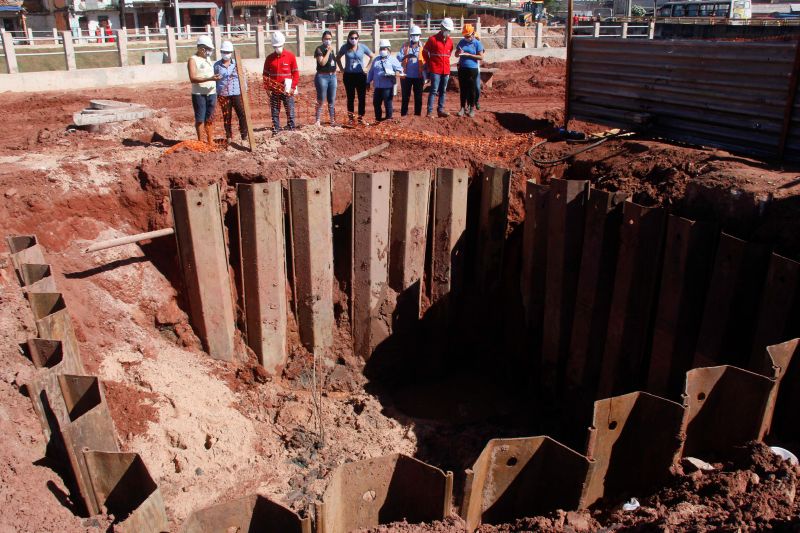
{"points": [[208, 430]]}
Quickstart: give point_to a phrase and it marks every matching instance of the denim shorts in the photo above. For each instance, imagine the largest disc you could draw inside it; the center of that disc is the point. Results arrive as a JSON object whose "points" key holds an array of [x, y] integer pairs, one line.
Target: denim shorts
{"points": [[203, 105]]}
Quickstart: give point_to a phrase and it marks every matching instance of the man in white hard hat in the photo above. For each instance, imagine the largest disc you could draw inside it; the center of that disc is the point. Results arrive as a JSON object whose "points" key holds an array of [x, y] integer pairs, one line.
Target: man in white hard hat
{"points": [[437, 52], [281, 77], [229, 92], [384, 72], [204, 88], [410, 57]]}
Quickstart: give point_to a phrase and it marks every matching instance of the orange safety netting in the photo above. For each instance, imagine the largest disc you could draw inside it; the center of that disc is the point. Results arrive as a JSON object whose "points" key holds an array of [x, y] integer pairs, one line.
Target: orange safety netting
{"points": [[192, 145]]}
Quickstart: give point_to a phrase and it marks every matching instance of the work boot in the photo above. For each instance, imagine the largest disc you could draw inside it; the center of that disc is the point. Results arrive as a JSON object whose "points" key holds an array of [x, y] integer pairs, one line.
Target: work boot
{"points": [[471, 112], [443, 114], [461, 112]]}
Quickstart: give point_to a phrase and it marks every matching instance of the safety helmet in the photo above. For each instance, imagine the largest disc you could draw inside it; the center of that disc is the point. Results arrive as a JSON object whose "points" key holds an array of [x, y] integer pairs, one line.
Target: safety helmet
{"points": [[278, 39], [384, 43], [226, 46], [205, 40], [415, 30], [447, 24], [467, 30]]}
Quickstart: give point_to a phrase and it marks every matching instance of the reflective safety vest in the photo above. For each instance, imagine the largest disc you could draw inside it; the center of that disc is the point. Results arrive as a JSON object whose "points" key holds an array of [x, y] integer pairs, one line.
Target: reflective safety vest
{"points": [[437, 52]]}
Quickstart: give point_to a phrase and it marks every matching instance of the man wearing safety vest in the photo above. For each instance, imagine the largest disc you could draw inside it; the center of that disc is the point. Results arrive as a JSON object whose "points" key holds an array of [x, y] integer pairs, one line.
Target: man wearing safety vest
{"points": [[436, 53]]}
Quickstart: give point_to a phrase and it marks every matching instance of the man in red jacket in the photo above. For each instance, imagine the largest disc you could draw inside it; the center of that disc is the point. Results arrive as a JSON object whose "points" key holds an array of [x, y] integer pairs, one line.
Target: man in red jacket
{"points": [[281, 77], [437, 52]]}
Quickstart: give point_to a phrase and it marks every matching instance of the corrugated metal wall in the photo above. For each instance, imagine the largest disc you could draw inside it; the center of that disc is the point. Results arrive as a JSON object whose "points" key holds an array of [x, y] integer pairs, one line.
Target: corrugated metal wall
{"points": [[731, 95]]}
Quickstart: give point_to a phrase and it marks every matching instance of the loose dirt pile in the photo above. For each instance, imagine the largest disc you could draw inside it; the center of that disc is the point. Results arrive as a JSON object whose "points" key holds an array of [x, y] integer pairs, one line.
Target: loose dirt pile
{"points": [[211, 431]]}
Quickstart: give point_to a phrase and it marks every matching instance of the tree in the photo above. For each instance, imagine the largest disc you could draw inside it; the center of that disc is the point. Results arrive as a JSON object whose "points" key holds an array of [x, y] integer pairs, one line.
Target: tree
{"points": [[340, 10], [637, 11]]}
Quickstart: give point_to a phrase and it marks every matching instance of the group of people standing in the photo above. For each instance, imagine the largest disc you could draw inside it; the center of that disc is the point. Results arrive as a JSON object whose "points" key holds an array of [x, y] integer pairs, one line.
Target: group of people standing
{"points": [[412, 68]]}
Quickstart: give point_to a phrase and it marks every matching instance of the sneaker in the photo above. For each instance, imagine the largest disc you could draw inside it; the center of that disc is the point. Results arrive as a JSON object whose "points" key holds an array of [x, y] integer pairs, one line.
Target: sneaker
{"points": [[318, 123], [228, 140], [471, 112], [478, 106], [443, 114], [430, 114], [461, 112]]}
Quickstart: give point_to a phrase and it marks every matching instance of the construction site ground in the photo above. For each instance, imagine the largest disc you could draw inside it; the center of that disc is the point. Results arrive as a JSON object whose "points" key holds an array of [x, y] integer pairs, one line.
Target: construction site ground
{"points": [[210, 431]]}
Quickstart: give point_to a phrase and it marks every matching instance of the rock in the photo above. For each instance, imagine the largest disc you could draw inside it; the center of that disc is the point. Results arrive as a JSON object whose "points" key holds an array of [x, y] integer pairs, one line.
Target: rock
{"points": [[11, 192], [169, 313], [754, 479], [198, 471], [260, 374], [578, 521], [341, 380]]}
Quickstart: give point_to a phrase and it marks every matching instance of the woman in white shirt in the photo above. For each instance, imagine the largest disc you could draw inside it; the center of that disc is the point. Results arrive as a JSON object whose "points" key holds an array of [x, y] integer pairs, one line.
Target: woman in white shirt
{"points": [[204, 88]]}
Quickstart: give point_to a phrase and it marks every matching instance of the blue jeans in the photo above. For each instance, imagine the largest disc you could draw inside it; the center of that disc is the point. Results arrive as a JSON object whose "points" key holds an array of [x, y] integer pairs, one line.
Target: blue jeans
{"points": [[381, 97], [438, 86], [326, 90], [204, 105]]}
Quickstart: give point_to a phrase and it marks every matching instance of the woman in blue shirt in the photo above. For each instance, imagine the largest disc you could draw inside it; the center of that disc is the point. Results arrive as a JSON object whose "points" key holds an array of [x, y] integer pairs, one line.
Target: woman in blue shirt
{"points": [[229, 92], [469, 51], [354, 78], [384, 72]]}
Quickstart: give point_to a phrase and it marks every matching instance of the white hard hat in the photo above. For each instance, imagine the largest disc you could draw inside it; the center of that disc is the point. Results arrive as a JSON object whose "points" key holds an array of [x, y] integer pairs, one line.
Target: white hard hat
{"points": [[227, 46], [384, 43], [415, 31], [447, 24], [278, 39], [205, 40]]}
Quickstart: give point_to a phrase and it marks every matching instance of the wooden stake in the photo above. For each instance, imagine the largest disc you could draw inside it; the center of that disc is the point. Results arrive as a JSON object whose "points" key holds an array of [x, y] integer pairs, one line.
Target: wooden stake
{"points": [[245, 101]]}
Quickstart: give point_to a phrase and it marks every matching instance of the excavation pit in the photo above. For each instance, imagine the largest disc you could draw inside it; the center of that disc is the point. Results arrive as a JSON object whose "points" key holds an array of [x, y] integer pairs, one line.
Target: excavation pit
{"points": [[436, 389]]}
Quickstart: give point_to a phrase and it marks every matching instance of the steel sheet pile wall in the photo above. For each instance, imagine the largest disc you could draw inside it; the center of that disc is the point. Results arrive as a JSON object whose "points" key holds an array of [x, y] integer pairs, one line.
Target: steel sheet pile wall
{"points": [[731, 95], [72, 408]]}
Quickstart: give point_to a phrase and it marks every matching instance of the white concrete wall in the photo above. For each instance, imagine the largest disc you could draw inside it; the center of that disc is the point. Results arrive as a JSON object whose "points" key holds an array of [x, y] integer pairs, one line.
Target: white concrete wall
{"points": [[98, 78]]}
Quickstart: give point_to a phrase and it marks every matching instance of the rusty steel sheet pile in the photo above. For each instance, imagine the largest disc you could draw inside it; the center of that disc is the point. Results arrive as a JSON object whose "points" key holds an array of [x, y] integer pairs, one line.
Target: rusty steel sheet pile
{"points": [[250, 513], [73, 412], [382, 490], [515, 478], [616, 296]]}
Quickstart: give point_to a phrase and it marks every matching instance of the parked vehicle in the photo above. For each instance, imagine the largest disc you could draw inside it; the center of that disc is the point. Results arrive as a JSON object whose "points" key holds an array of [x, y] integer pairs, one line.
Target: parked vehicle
{"points": [[730, 9]]}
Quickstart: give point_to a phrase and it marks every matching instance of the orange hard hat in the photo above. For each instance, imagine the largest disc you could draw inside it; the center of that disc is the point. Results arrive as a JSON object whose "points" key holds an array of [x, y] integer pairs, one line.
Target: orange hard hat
{"points": [[468, 29]]}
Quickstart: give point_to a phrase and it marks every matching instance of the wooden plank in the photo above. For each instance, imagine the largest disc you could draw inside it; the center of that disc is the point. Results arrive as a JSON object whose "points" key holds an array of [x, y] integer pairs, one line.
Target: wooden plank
{"points": [[248, 116]]}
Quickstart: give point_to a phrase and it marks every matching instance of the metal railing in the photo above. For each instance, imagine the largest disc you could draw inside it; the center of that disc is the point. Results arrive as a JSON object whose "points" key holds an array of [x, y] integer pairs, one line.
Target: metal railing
{"points": [[65, 50]]}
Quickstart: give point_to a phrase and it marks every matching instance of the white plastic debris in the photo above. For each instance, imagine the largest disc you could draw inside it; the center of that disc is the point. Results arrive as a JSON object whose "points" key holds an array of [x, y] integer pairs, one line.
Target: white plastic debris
{"points": [[632, 505], [784, 454], [698, 464]]}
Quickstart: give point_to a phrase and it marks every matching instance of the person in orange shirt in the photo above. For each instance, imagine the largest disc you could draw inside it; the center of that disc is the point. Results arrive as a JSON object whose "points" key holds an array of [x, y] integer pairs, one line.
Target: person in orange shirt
{"points": [[281, 77]]}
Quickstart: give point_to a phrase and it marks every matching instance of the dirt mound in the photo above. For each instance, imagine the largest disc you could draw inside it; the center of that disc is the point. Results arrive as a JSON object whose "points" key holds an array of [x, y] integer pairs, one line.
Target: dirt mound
{"points": [[756, 492]]}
